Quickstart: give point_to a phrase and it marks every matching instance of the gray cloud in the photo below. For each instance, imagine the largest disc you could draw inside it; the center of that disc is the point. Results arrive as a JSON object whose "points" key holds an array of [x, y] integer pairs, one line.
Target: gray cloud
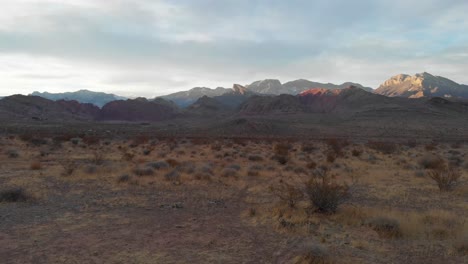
{"points": [[160, 46]]}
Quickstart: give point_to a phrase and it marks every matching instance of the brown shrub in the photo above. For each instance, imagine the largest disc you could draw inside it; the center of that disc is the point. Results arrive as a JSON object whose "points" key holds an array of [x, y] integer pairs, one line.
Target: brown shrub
{"points": [[282, 149], [307, 147], [331, 156], [287, 193], [382, 146], [173, 163], [446, 179], [386, 227], [431, 162], [35, 165], [69, 166], [324, 192], [356, 152], [311, 165]]}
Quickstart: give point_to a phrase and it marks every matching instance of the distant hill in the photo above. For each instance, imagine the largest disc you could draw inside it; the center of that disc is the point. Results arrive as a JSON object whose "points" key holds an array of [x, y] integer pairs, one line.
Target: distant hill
{"points": [[39, 108], [82, 96], [422, 85], [139, 109], [186, 98]]}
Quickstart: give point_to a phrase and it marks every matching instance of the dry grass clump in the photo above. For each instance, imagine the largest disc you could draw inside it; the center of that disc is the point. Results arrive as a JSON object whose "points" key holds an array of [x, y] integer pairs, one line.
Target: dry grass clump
{"points": [[431, 162], [69, 166], [143, 171], [255, 158], [158, 165], [446, 179], [461, 245], [386, 227], [35, 165], [315, 254], [287, 193], [356, 152], [123, 178], [324, 192], [307, 147], [173, 163], [13, 195], [383, 147], [98, 157], [173, 176], [12, 154], [229, 173]]}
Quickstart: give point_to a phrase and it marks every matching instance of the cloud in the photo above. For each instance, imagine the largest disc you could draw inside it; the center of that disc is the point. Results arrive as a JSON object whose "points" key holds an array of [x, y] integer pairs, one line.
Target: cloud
{"points": [[154, 47]]}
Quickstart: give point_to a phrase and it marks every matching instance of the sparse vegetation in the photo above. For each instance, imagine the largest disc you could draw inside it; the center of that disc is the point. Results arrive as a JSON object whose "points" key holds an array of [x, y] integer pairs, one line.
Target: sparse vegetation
{"points": [[324, 192], [446, 179], [13, 195], [287, 193]]}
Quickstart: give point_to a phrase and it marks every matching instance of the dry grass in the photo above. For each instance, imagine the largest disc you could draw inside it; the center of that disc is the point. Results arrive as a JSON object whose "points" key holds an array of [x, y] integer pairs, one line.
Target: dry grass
{"points": [[237, 194]]}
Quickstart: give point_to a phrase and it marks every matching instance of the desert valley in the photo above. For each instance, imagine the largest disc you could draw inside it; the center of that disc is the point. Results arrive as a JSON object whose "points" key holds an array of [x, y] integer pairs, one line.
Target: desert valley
{"points": [[300, 172]]}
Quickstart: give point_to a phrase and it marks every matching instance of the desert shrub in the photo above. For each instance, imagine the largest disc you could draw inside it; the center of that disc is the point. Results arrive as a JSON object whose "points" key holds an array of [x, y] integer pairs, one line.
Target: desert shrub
{"points": [[229, 173], [13, 195], [324, 192], [446, 179], [461, 245], [311, 165], [216, 147], [76, 141], [280, 159], [139, 140], [356, 152], [12, 154], [98, 157], [35, 165], [234, 167], [255, 158], [431, 146], [173, 176], [431, 162], [187, 167], [143, 171], [314, 254], [337, 145], [253, 173], [158, 165], [69, 166], [173, 163], [206, 169], [91, 169], [287, 193], [91, 140], [331, 156], [307, 147], [300, 170], [282, 149], [386, 227], [383, 146], [127, 156], [411, 143], [123, 178]]}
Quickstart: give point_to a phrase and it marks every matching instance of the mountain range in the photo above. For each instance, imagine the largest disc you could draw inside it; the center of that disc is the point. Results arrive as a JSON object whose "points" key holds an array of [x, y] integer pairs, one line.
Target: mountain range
{"points": [[83, 96]]}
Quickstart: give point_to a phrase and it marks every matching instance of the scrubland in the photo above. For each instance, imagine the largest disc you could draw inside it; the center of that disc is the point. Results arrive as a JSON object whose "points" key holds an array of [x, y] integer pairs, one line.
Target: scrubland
{"points": [[87, 199]]}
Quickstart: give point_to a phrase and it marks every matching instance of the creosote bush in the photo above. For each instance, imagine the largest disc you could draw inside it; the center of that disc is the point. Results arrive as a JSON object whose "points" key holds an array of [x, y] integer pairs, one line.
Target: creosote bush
{"points": [[324, 192], [382, 146], [13, 195], [35, 165], [386, 227], [446, 179], [287, 193]]}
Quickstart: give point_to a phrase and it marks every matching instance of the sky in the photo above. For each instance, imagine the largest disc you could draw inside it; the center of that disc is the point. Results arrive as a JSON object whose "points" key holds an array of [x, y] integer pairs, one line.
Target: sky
{"points": [[155, 47]]}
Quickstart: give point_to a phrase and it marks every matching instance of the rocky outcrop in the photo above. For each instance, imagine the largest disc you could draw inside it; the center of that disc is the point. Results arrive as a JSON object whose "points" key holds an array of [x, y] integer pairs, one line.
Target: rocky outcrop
{"points": [[422, 85]]}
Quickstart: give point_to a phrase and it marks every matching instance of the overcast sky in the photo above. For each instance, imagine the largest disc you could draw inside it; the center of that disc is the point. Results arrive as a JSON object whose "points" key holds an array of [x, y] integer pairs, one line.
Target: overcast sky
{"points": [[153, 47]]}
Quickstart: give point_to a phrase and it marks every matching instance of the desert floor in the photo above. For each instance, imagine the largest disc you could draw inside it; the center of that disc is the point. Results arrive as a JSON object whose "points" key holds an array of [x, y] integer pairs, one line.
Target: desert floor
{"points": [[149, 200]]}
